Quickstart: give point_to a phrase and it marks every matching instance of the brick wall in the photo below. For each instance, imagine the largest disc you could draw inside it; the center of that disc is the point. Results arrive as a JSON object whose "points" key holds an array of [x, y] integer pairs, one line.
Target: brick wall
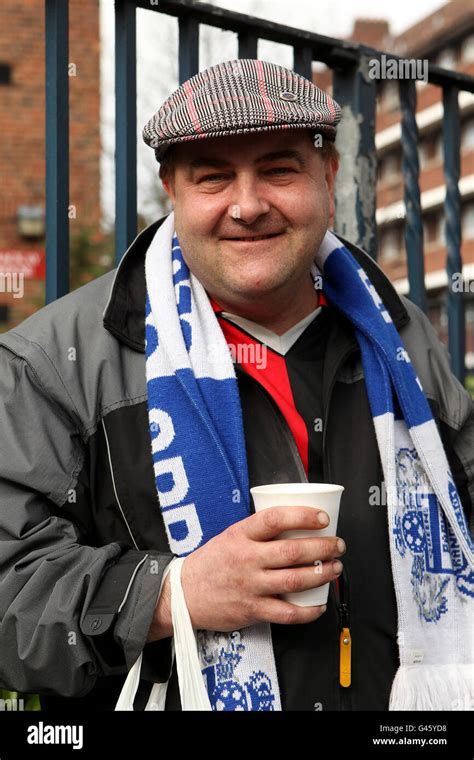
{"points": [[22, 126]]}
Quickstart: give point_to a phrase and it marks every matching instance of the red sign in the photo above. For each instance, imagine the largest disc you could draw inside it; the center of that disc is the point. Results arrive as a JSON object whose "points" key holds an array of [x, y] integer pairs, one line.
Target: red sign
{"points": [[30, 263]]}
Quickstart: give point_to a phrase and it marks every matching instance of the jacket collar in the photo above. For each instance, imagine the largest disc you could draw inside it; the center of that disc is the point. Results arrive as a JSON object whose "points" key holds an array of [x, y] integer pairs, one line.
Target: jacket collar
{"points": [[124, 314]]}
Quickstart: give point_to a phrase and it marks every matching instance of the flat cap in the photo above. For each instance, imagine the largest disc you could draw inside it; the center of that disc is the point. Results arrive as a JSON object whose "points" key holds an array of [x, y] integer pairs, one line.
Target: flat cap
{"points": [[239, 97]]}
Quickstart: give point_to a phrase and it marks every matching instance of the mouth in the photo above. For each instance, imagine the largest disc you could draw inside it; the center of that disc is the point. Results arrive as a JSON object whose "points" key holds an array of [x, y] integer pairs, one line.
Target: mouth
{"points": [[254, 238]]}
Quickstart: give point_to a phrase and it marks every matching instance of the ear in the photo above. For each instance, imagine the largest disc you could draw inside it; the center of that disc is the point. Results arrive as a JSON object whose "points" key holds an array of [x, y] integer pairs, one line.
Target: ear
{"points": [[331, 167], [168, 185]]}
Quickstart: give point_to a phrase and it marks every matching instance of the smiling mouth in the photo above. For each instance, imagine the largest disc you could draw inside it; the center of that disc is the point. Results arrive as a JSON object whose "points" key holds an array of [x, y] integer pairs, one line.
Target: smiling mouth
{"points": [[254, 238]]}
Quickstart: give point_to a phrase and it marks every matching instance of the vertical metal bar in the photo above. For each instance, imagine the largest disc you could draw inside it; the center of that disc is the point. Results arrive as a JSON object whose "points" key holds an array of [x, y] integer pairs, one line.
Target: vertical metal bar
{"points": [[188, 48], [452, 210], [125, 127], [411, 172], [302, 60], [248, 45], [57, 149], [355, 219]]}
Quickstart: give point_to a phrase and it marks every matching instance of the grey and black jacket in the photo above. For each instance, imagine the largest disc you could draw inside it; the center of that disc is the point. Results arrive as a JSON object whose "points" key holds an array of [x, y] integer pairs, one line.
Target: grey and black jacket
{"points": [[82, 540]]}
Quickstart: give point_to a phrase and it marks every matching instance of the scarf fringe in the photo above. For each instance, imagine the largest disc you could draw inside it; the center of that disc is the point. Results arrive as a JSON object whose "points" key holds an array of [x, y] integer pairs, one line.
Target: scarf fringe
{"points": [[433, 687]]}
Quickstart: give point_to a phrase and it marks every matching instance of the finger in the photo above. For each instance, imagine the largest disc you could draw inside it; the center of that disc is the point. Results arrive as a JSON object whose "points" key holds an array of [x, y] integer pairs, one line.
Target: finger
{"points": [[286, 552], [264, 525], [293, 579], [278, 611]]}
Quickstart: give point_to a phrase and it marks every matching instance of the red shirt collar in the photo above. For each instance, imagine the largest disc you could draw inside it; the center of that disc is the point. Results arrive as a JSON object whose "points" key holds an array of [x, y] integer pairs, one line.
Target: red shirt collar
{"points": [[218, 309]]}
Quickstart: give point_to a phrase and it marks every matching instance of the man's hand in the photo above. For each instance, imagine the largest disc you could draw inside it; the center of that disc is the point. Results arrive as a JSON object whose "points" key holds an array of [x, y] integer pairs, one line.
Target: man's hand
{"points": [[233, 580]]}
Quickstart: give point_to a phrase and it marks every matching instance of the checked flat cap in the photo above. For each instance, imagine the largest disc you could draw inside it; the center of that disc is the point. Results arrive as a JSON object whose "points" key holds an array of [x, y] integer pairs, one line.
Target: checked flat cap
{"points": [[239, 97]]}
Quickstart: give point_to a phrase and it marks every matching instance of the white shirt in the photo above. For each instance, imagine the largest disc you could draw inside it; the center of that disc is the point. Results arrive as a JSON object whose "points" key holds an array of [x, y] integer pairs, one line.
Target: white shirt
{"points": [[279, 343]]}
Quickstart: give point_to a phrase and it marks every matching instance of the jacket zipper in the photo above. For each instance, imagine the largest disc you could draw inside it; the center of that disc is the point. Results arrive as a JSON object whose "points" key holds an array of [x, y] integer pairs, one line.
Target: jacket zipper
{"points": [[345, 636], [341, 589], [109, 455]]}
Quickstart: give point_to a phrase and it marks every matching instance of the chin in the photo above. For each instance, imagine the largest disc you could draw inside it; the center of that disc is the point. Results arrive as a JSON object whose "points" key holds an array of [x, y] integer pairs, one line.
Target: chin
{"points": [[254, 286]]}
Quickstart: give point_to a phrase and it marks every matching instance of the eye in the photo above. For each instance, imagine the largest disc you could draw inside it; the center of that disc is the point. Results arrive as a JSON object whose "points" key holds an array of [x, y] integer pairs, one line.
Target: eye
{"points": [[279, 169], [212, 177]]}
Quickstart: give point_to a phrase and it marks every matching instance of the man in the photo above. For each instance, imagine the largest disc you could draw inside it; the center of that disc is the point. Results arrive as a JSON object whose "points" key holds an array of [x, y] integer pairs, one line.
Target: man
{"points": [[90, 520]]}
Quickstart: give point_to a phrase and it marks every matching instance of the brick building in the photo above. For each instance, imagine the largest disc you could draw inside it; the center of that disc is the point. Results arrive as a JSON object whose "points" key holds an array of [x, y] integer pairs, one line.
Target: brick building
{"points": [[446, 37], [22, 145]]}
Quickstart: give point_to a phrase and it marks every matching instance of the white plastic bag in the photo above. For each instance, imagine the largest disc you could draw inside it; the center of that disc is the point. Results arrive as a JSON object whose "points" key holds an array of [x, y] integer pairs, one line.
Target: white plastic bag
{"points": [[192, 688]]}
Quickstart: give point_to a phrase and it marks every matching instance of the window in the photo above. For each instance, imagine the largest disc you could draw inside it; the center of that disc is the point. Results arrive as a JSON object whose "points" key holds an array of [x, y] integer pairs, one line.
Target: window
{"points": [[467, 49], [467, 221], [389, 168], [469, 311], [443, 315], [447, 59], [433, 229], [434, 310], [441, 230], [390, 97], [391, 243], [437, 314], [423, 154], [4, 314], [431, 149], [5, 73], [467, 136], [429, 229]]}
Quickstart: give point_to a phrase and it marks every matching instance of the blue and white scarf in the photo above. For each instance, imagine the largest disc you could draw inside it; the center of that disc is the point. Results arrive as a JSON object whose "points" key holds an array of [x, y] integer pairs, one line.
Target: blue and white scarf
{"points": [[201, 476]]}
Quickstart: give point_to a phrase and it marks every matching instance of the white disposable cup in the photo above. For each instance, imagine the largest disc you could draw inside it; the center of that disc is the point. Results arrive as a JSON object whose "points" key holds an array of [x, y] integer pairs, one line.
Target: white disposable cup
{"points": [[325, 496]]}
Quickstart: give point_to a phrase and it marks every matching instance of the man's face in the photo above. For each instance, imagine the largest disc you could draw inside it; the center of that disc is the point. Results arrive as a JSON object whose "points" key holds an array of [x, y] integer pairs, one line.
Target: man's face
{"points": [[227, 189]]}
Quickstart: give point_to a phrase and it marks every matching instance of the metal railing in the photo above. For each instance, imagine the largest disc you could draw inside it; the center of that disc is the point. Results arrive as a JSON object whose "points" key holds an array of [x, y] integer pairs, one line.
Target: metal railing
{"points": [[354, 90]]}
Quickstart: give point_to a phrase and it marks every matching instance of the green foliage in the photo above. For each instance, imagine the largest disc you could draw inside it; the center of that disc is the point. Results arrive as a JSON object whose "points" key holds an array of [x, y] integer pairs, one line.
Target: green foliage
{"points": [[30, 701], [470, 383], [91, 255]]}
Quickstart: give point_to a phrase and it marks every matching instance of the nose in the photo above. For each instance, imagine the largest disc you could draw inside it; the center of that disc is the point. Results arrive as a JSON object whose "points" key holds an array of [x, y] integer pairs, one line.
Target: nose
{"points": [[248, 203]]}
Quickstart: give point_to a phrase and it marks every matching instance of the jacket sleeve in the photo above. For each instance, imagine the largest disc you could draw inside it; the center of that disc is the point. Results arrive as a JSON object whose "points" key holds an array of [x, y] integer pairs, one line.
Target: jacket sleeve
{"points": [[451, 403], [60, 600], [462, 466], [134, 619]]}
